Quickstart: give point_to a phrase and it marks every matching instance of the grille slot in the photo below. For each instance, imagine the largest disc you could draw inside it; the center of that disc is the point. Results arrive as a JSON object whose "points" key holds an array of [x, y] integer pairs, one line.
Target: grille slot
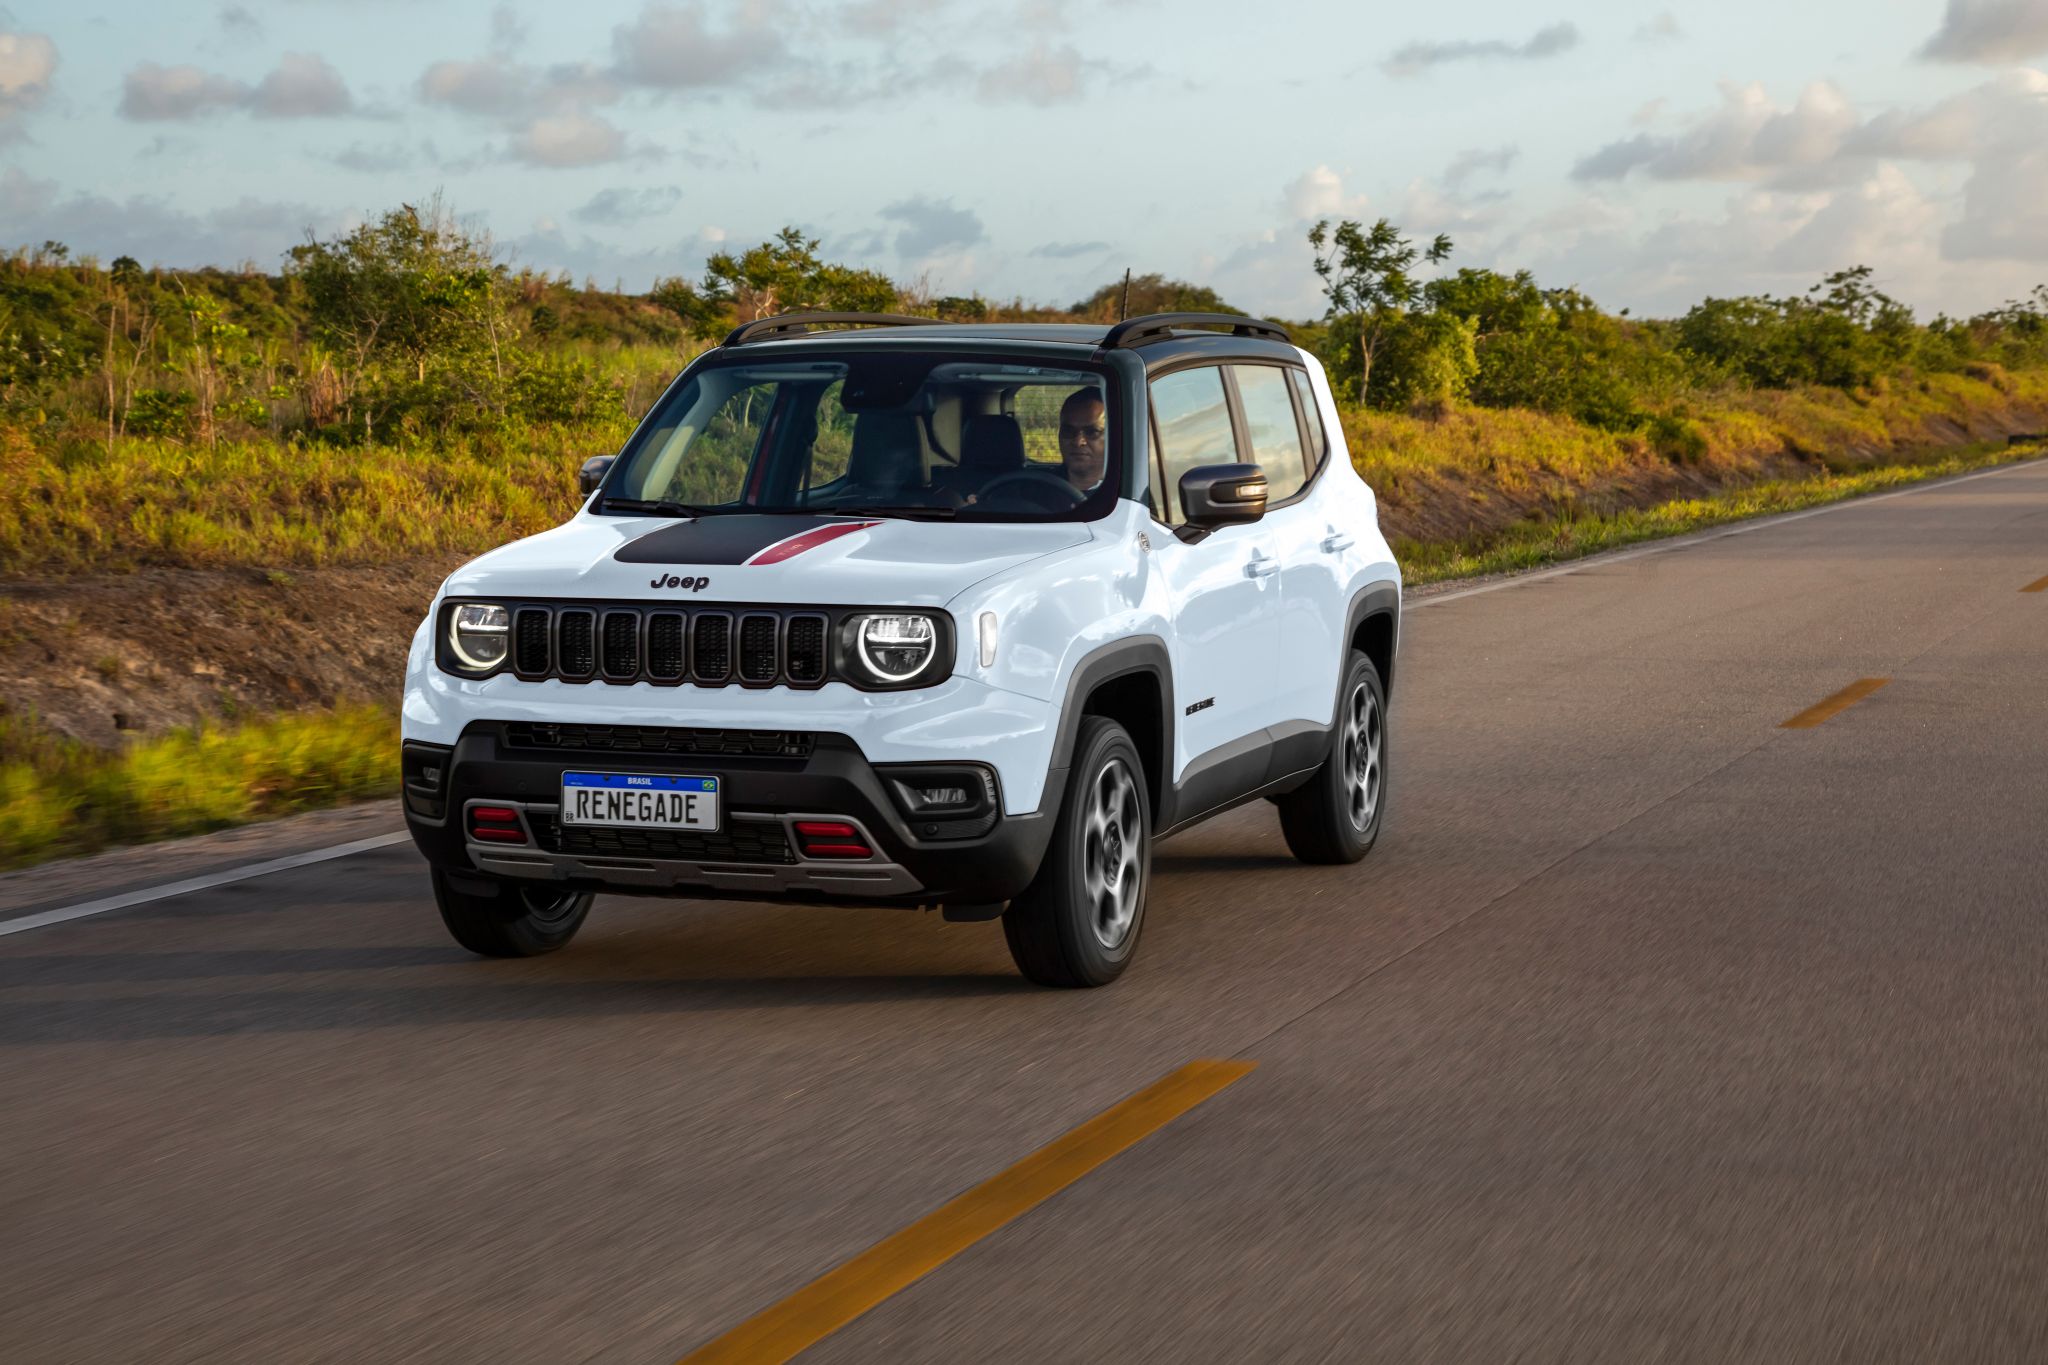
{"points": [[658, 739], [711, 646], [622, 645], [805, 649], [530, 641], [758, 662], [743, 841], [576, 643], [665, 646]]}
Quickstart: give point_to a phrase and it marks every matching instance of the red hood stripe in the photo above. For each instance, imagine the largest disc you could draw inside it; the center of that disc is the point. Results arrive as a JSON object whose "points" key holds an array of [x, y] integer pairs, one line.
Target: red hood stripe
{"points": [[792, 546]]}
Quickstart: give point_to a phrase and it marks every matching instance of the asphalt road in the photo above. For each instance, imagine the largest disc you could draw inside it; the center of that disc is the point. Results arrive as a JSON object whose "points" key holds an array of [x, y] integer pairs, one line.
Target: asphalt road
{"points": [[1652, 1031]]}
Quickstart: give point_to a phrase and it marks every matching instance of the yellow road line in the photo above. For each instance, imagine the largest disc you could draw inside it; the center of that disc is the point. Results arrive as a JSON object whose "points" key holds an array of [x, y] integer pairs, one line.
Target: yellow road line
{"points": [[830, 1302], [1835, 705], [2038, 585]]}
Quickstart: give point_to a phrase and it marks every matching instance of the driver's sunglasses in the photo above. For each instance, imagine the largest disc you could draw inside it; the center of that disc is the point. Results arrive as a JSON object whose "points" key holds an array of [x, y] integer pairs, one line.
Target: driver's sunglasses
{"points": [[1083, 433]]}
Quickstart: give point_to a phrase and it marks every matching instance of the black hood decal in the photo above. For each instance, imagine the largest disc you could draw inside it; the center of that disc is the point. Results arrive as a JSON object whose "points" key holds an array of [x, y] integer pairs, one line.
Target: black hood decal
{"points": [[731, 539]]}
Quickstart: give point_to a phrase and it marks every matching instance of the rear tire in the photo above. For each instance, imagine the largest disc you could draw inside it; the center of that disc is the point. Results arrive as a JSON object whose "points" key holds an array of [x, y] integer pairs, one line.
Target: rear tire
{"points": [[1077, 923], [1335, 816], [511, 921]]}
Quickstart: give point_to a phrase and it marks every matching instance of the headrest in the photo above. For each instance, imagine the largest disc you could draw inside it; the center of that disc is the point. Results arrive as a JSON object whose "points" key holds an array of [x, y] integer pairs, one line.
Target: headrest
{"points": [[991, 443], [885, 450]]}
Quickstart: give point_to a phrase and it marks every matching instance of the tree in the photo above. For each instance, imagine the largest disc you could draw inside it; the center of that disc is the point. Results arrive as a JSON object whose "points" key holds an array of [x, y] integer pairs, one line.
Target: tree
{"points": [[784, 275], [1152, 293], [412, 287], [1367, 275]]}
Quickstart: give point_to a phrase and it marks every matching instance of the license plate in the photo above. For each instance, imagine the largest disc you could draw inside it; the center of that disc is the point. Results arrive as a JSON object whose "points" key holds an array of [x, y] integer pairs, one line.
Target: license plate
{"points": [[640, 801]]}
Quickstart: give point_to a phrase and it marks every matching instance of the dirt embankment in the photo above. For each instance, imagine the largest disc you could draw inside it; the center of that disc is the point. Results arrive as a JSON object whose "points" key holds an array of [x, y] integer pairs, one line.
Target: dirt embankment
{"points": [[98, 657]]}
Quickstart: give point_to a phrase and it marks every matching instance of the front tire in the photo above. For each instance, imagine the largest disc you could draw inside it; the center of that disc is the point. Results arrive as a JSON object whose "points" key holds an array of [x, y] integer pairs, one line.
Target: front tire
{"points": [[1077, 923], [1335, 816], [510, 921]]}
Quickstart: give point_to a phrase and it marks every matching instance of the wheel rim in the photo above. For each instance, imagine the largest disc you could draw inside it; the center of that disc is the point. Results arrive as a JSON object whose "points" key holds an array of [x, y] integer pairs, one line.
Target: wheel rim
{"points": [[1363, 770], [1113, 834], [549, 910]]}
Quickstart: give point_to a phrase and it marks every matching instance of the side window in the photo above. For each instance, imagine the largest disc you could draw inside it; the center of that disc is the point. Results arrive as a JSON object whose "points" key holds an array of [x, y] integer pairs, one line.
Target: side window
{"points": [[1311, 419], [1192, 419], [1269, 420]]}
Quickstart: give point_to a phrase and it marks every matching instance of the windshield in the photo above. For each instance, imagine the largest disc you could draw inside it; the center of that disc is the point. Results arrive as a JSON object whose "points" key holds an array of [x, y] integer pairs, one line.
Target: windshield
{"points": [[876, 433]]}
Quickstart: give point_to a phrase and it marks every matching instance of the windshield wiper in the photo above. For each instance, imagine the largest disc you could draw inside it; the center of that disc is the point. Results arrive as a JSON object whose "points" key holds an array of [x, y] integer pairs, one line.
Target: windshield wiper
{"points": [[659, 507], [911, 513]]}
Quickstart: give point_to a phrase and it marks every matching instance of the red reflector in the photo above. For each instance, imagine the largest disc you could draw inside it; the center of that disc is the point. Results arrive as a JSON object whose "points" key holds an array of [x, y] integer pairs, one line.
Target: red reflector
{"points": [[497, 835], [495, 815], [838, 851], [826, 829]]}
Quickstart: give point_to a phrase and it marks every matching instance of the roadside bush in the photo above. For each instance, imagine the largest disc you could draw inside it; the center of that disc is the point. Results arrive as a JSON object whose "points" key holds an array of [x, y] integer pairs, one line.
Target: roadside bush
{"points": [[1426, 361]]}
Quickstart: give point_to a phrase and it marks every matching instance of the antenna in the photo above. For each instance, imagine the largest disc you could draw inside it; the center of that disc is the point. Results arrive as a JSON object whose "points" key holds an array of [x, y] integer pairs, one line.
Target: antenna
{"points": [[1123, 309]]}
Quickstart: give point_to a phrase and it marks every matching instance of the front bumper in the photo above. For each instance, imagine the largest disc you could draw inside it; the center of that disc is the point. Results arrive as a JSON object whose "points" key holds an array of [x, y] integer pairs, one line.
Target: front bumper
{"points": [[755, 855]]}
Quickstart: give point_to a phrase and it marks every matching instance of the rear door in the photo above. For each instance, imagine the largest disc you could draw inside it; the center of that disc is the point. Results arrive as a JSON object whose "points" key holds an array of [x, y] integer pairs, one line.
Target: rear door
{"points": [[1224, 587]]}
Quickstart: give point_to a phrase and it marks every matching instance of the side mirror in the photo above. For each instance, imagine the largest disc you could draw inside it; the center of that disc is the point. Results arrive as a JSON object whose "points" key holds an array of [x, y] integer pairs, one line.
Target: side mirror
{"points": [[1222, 495], [592, 473]]}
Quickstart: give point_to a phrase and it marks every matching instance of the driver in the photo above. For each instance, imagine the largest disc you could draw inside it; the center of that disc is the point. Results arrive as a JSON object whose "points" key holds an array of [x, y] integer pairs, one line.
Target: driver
{"points": [[1084, 438]]}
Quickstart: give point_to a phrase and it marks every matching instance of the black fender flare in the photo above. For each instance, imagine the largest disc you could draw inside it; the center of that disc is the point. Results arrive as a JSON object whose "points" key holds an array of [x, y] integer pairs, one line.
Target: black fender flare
{"points": [[1145, 654], [1382, 598]]}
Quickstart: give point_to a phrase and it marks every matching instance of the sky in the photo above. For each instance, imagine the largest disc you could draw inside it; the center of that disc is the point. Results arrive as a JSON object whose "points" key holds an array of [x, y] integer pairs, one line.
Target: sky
{"points": [[1650, 155]]}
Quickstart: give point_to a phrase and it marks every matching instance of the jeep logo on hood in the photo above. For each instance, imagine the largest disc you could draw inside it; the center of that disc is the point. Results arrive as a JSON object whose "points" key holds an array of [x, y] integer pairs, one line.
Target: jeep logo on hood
{"points": [[669, 580]]}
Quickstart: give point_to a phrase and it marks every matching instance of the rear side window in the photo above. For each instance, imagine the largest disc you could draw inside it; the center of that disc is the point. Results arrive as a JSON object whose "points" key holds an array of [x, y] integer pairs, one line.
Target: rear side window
{"points": [[1192, 419], [1311, 418], [1269, 421]]}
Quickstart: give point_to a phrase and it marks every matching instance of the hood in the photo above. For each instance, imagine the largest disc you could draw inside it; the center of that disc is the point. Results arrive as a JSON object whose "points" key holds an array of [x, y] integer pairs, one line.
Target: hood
{"points": [[788, 559]]}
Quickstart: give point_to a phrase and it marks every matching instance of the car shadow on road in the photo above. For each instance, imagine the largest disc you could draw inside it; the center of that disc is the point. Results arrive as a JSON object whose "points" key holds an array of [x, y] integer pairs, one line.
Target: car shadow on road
{"points": [[1219, 862], [131, 1018]]}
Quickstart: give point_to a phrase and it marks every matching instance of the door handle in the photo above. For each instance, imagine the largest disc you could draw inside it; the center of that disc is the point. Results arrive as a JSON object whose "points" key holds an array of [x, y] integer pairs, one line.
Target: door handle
{"points": [[1258, 566], [1335, 543]]}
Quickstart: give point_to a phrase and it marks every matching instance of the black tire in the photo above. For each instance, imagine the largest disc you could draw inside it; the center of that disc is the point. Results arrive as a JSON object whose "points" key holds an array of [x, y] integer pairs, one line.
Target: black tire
{"points": [[510, 921], [1335, 816], [1077, 923]]}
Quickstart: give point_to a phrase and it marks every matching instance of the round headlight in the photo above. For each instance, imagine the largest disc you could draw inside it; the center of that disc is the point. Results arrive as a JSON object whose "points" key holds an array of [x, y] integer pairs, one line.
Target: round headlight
{"points": [[478, 634], [896, 648]]}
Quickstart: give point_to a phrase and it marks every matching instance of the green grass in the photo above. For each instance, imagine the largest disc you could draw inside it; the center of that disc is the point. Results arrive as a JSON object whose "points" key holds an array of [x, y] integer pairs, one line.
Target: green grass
{"points": [[59, 798], [1529, 546]]}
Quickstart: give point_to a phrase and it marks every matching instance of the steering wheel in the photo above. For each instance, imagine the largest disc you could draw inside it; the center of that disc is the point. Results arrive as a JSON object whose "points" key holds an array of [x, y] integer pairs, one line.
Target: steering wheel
{"points": [[1039, 486]]}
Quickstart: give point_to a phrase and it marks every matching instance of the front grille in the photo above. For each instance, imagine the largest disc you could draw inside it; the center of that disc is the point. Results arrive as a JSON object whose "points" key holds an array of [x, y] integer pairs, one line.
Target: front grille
{"points": [[622, 645], [530, 652], [711, 643], [805, 656], [710, 647], [658, 739], [759, 661], [576, 644], [742, 841]]}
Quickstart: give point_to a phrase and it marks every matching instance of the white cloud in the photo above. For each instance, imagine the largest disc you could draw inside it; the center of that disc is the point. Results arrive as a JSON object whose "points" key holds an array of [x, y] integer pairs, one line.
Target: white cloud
{"points": [[1993, 32], [153, 231], [1319, 193], [1749, 137], [626, 204], [300, 86], [1041, 75], [1662, 29], [151, 92], [931, 227], [27, 61], [1416, 58], [674, 46], [491, 86], [570, 138], [1477, 160]]}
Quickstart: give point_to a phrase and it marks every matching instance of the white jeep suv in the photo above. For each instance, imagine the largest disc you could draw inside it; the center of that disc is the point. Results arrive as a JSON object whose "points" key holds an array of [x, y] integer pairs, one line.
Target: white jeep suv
{"points": [[916, 614]]}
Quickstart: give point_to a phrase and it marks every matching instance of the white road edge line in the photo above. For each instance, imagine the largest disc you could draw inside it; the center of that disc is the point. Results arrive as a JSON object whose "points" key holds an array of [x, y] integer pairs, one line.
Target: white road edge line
{"points": [[202, 883], [1686, 542]]}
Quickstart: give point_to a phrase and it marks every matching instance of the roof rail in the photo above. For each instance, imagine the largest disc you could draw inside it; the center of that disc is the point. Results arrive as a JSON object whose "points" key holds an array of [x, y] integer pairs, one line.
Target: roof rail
{"points": [[796, 324], [1157, 326]]}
